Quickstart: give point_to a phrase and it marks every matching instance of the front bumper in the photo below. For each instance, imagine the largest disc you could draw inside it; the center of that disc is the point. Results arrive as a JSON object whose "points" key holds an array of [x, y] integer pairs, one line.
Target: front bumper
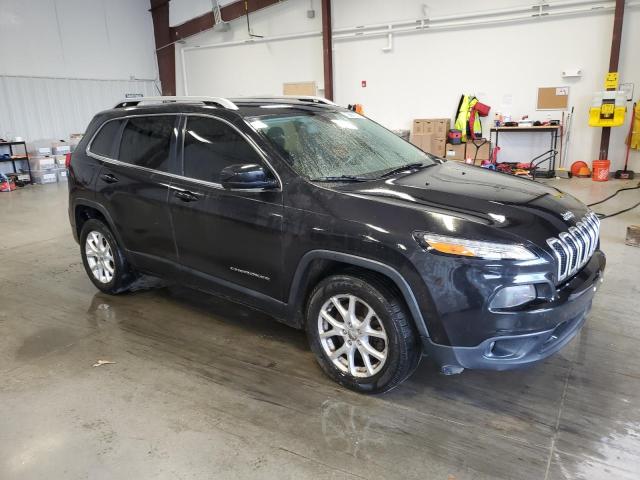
{"points": [[506, 351]]}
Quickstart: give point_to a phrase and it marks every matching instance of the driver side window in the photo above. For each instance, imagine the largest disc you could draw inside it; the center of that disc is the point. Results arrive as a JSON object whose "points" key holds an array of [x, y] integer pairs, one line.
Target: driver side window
{"points": [[211, 145]]}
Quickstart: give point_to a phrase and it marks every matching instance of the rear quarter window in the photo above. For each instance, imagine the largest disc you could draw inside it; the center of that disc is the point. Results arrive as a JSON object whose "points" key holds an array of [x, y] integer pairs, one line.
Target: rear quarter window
{"points": [[105, 141]]}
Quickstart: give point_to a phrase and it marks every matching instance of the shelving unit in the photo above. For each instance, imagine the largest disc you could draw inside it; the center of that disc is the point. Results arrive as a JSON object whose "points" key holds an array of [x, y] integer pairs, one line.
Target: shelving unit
{"points": [[24, 158]]}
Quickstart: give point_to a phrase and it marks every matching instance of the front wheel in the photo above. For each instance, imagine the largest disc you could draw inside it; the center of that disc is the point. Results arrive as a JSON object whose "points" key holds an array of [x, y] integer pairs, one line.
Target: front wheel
{"points": [[361, 333]]}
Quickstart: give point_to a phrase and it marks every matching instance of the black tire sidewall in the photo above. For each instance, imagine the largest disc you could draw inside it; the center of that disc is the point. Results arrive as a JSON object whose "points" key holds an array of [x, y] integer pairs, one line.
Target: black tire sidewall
{"points": [[398, 350], [121, 267]]}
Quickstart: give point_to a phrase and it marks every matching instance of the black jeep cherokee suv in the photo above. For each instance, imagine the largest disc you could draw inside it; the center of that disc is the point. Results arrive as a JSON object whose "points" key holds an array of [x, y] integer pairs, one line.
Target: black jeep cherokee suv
{"points": [[329, 222]]}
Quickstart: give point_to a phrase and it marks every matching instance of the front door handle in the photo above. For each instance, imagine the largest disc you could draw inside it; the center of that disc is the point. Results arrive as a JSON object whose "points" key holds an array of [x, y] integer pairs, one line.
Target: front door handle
{"points": [[109, 178], [186, 196]]}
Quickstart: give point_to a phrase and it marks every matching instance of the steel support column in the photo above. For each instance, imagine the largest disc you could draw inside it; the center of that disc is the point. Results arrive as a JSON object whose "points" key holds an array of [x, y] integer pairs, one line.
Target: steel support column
{"points": [[616, 39], [165, 49], [327, 49]]}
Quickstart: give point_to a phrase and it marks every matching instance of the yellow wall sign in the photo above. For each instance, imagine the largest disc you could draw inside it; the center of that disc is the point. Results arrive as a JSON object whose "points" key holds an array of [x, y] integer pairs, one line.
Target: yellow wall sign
{"points": [[611, 81]]}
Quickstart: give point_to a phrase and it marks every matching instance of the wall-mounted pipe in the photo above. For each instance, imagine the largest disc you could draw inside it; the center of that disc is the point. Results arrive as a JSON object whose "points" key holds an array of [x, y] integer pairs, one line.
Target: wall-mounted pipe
{"points": [[251, 41], [389, 46], [441, 22], [383, 30], [530, 9], [64, 77]]}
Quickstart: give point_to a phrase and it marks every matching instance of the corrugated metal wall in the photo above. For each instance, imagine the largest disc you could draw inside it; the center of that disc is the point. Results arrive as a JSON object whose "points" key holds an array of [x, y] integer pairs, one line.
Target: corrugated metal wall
{"points": [[39, 108]]}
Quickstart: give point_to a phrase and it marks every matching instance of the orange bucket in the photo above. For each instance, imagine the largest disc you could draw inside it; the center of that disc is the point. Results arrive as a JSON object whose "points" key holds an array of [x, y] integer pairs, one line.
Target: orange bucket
{"points": [[600, 170]]}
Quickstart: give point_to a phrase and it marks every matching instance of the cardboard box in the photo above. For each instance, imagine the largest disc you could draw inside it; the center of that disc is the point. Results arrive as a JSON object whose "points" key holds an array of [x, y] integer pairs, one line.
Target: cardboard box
{"points": [[422, 141], [442, 126], [483, 148], [438, 127], [455, 152], [74, 139], [437, 147], [422, 127]]}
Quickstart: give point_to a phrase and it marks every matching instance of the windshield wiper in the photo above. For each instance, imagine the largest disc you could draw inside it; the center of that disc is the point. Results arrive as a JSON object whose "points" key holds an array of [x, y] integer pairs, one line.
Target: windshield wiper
{"points": [[408, 166], [340, 178]]}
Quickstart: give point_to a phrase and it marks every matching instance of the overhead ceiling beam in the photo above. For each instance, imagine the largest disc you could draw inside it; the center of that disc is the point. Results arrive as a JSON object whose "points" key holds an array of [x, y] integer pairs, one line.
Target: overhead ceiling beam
{"points": [[327, 49], [228, 12], [166, 36]]}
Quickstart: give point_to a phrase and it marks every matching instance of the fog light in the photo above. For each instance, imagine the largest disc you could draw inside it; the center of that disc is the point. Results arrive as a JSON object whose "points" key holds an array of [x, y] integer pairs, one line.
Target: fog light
{"points": [[513, 296]]}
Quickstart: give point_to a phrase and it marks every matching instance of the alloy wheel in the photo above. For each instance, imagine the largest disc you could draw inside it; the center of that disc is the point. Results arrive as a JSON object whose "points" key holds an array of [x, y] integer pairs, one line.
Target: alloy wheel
{"points": [[352, 336], [99, 257]]}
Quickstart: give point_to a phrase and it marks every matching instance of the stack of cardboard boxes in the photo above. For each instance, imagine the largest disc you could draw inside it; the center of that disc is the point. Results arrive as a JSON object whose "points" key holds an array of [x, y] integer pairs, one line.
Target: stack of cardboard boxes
{"points": [[430, 134]]}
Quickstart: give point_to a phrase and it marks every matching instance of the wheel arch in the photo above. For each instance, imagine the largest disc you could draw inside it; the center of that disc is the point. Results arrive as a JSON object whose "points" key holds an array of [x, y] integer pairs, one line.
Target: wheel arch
{"points": [[82, 209], [305, 277]]}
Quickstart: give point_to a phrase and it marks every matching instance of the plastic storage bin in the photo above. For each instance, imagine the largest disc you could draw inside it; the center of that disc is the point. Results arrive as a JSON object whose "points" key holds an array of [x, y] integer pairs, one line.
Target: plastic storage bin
{"points": [[62, 174], [44, 176]]}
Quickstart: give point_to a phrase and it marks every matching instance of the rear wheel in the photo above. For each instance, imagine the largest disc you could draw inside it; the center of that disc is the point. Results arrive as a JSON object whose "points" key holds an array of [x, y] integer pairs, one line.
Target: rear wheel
{"points": [[361, 333], [103, 260]]}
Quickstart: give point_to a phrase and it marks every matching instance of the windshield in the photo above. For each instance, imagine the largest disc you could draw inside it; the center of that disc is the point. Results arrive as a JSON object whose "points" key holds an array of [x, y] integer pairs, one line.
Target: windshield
{"points": [[339, 144]]}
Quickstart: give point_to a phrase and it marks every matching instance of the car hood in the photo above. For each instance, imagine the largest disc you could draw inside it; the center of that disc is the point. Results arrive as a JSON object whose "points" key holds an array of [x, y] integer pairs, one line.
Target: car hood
{"points": [[524, 207]]}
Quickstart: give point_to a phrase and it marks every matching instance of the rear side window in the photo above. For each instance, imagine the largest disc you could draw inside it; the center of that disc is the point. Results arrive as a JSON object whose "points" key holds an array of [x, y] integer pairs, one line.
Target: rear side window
{"points": [[104, 142], [211, 145], [146, 140]]}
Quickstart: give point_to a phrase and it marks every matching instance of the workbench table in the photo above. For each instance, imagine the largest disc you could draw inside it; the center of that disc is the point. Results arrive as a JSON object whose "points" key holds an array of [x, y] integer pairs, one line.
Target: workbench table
{"points": [[548, 156]]}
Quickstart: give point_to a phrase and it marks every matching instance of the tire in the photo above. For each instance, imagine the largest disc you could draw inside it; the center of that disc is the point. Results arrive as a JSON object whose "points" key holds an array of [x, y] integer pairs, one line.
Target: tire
{"points": [[102, 255], [388, 331]]}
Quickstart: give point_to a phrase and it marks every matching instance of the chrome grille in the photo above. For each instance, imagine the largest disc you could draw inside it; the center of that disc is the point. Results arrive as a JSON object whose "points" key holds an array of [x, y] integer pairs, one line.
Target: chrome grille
{"points": [[574, 248]]}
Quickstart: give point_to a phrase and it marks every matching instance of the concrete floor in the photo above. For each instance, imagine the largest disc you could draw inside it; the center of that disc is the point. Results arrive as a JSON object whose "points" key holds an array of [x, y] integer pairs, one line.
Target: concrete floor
{"points": [[204, 389]]}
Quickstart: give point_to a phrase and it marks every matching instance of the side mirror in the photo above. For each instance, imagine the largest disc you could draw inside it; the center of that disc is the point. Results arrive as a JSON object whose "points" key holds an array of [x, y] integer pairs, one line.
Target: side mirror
{"points": [[247, 176]]}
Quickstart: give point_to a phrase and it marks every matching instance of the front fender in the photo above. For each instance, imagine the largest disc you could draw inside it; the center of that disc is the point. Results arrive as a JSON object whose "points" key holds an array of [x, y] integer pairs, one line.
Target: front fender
{"points": [[296, 298]]}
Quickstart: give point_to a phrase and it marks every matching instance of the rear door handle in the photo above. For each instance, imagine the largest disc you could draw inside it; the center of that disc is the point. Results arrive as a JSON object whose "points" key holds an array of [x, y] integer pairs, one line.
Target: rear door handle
{"points": [[109, 177], [186, 196]]}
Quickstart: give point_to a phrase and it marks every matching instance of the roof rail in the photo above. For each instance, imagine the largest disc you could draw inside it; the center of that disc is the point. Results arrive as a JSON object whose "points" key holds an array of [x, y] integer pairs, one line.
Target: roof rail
{"points": [[219, 101], [311, 98], [302, 98]]}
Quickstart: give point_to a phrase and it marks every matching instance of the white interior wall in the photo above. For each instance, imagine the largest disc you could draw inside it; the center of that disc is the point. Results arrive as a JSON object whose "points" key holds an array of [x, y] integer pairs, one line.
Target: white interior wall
{"points": [[40, 109], [503, 65], [102, 39], [254, 68], [65, 60]]}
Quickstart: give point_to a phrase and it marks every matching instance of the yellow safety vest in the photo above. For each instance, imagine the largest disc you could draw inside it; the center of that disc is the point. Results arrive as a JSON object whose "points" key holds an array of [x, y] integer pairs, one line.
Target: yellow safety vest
{"points": [[462, 118]]}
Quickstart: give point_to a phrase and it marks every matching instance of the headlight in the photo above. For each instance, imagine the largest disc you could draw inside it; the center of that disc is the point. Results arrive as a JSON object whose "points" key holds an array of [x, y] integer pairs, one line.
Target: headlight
{"points": [[474, 248]]}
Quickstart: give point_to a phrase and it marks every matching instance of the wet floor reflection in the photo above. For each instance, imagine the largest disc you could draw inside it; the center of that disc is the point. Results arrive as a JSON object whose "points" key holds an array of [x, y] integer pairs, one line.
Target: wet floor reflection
{"points": [[486, 424]]}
